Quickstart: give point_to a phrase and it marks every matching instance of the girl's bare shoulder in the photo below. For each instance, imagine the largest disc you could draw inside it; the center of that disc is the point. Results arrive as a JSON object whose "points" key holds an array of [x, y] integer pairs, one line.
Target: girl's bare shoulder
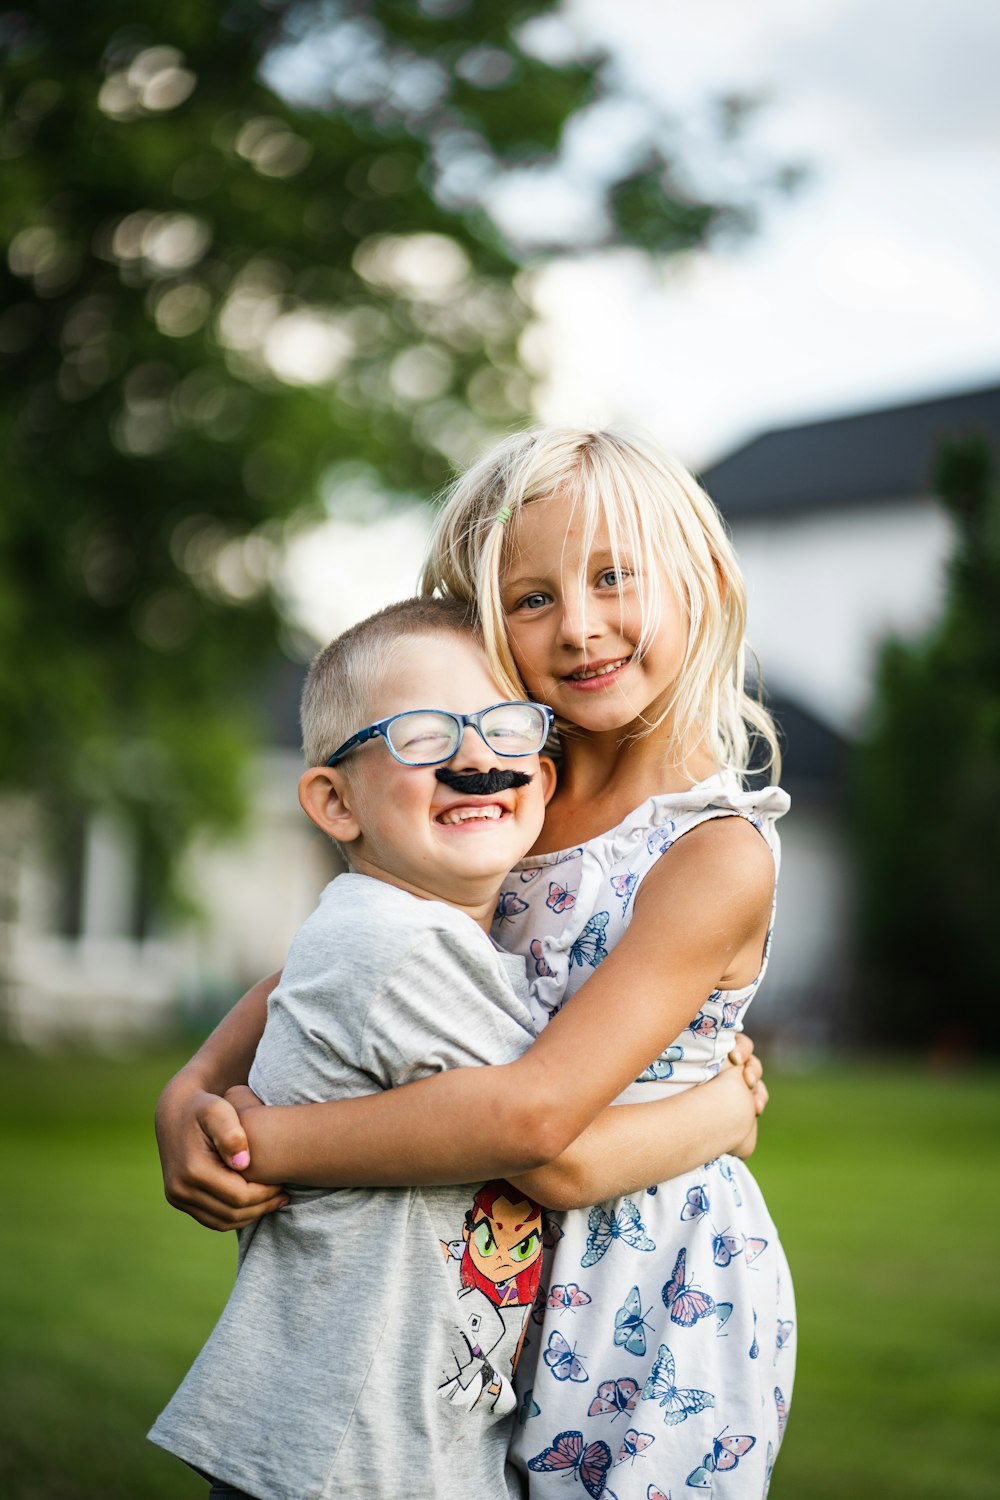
{"points": [[725, 860]]}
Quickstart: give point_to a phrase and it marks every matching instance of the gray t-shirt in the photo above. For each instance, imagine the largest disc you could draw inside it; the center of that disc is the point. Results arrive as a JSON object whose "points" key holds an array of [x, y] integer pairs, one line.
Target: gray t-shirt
{"points": [[356, 1358]]}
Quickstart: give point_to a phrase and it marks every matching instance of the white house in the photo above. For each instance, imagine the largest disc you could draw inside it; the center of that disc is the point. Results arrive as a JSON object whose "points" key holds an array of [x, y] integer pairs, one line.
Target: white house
{"points": [[81, 960], [843, 544]]}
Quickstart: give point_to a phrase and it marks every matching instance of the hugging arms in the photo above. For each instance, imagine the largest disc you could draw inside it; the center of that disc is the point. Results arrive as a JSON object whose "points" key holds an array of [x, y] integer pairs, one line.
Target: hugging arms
{"points": [[543, 1119]]}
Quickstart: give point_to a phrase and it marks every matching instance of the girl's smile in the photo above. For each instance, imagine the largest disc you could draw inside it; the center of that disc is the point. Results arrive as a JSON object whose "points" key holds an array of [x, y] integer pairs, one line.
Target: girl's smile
{"points": [[598, 674]]}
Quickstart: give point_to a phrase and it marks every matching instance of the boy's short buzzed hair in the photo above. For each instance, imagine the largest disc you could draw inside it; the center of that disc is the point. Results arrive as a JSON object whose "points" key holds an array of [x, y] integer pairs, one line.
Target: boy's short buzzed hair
{"points": [[339, 685]]}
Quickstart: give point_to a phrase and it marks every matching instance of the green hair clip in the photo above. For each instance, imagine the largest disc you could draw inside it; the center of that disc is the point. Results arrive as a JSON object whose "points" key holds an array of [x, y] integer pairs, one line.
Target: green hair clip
{"points": [[503, 514]]}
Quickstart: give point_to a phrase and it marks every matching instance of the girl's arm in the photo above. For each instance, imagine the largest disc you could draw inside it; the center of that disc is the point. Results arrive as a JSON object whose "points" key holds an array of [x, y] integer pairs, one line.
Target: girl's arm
{"points": [[192, 1122], [706, 905]]}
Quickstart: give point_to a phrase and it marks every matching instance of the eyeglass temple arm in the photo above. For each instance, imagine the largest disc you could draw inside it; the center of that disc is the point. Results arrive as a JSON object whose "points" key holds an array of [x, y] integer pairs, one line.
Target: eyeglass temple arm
{"points": [[357, 739]]}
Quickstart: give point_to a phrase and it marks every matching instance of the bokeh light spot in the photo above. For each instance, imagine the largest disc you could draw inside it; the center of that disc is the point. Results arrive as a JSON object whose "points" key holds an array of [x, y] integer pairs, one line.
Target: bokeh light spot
{"points": [[307, 348], [272, 148], [421, 373], [430, 266], [182, 309]]}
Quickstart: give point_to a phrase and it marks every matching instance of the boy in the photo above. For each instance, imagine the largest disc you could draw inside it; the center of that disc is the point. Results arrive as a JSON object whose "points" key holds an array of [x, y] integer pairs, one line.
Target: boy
{"points": [[368, 1345]]}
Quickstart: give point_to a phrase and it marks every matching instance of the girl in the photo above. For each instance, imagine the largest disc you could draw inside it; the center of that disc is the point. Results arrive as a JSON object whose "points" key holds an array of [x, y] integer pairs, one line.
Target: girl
{"points": [[607, 589]]}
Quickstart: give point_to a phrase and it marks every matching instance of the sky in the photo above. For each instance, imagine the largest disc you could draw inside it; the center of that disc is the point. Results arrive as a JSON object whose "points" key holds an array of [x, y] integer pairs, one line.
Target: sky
{"points": [[876, 283]]}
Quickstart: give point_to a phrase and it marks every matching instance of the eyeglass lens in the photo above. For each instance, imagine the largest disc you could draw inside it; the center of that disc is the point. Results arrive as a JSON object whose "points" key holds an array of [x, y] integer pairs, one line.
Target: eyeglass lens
{"points": [[421, 738]]}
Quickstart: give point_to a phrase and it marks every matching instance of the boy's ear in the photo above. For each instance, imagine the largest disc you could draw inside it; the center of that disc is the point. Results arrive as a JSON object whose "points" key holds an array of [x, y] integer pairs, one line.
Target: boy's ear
{"points": [[326, 797], [548, 774]]}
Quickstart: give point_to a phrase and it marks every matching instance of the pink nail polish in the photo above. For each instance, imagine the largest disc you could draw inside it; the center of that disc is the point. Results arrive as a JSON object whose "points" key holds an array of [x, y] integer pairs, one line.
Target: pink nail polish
{"points": [[241, 1160]]}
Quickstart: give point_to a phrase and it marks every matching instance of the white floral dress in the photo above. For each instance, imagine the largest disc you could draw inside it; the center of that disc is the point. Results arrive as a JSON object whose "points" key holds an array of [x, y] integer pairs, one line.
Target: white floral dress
{"points": [[661, 1350]]}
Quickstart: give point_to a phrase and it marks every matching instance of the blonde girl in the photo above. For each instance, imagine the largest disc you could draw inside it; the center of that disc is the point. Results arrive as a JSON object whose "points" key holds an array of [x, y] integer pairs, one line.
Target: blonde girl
{"points": [[662, 1351]]}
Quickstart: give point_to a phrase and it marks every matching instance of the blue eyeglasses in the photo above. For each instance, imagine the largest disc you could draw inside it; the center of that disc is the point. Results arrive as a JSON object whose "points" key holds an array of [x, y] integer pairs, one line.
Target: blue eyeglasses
{"points": [[430, 736]]}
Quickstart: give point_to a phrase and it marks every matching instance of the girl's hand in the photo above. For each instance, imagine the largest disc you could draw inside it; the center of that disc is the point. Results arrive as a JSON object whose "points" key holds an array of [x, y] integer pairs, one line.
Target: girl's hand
{"points": [[198, 1134]]}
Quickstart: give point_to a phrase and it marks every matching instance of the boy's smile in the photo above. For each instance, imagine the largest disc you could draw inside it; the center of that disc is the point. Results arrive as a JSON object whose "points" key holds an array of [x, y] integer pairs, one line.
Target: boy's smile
{"points": [[447, 832]]}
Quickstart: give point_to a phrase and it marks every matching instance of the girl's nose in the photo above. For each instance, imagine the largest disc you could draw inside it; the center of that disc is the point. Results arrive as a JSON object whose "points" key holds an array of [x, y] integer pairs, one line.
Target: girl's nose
{"points": [[577, 624]]}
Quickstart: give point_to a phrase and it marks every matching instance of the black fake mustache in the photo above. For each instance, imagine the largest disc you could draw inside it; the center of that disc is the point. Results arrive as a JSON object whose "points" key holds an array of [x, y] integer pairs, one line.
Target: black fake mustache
{"points": [[481, 783]]}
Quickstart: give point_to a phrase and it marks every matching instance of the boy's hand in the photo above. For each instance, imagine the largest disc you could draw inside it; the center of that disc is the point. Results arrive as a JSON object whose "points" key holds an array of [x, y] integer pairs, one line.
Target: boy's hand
{"points": [[197, 1134], [742, 1058]]}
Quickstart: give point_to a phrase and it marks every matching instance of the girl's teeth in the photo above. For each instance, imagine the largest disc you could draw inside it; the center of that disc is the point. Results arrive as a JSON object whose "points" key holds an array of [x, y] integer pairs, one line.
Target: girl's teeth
{"points": [[601, 671]]}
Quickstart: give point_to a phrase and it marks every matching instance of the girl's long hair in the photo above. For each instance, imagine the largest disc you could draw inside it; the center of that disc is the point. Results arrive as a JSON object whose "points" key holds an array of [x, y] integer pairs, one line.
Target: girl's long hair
{"points": [[663, 527]]}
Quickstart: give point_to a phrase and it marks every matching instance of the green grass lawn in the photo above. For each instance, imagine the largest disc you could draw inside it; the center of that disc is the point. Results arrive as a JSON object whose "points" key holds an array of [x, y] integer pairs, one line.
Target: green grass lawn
{"points": [[883, 1183]]}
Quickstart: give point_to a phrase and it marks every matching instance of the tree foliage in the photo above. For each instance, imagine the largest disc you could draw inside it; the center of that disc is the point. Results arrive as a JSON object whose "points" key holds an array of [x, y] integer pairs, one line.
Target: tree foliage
{"points": [[217, 299], [928, 806]]}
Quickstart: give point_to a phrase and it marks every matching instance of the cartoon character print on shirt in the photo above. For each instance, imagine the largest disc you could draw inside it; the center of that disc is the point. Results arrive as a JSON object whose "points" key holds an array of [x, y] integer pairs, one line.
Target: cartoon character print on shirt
{"points": [[499, 1261]]}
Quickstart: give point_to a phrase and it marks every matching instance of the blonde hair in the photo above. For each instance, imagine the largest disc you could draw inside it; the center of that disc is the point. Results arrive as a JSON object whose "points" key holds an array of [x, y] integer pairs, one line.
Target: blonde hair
{"points": [[663, 522], [338, 689]]}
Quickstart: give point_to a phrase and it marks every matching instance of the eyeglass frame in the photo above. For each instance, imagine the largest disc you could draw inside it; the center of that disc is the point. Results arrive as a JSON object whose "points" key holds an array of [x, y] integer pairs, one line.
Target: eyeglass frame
{"points": [[373, 731]]}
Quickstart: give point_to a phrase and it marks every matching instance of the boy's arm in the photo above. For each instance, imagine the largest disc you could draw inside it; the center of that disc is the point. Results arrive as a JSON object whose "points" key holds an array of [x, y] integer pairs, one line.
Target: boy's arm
{"points": [[630, 1146], [192, 1121], [705, 904]]}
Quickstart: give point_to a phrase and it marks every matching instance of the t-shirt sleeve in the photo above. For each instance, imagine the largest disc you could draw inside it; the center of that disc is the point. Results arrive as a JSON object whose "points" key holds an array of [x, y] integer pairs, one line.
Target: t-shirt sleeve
{"points": [[448, 1004]]}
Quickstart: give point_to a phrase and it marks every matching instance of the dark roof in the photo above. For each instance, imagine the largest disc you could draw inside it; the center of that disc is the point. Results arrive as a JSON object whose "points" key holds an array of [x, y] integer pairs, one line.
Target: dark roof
{"points": [[871, 455], [812, 753], [814, 756]]}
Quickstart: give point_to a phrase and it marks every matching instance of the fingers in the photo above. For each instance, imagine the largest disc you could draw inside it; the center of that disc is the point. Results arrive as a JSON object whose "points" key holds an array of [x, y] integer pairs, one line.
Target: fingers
{"points": [[222, 1200], [741, 1050], [214, 1183], [214, 1215], [221, 1126], [752, 1072], [760, 1097], [742, 1055], [197, 1133]]}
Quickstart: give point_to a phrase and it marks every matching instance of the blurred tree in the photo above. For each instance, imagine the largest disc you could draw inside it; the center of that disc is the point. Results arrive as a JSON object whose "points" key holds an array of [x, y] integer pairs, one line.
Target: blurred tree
{"points": [[928, 804], [218, 301]]}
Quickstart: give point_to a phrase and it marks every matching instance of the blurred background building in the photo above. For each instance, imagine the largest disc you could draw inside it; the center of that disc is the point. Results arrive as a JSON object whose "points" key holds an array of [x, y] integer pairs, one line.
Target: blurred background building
{"points": [[269, 278]]}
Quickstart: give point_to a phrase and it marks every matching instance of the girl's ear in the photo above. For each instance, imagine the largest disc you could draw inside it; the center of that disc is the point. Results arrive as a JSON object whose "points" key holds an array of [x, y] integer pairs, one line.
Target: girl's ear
{"points": [[326, 797], [547, 770]]}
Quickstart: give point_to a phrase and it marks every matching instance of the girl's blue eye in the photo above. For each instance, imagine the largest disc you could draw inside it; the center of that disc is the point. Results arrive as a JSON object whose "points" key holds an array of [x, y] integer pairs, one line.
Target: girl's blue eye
{"points": [[532, 601], [615, 576]]}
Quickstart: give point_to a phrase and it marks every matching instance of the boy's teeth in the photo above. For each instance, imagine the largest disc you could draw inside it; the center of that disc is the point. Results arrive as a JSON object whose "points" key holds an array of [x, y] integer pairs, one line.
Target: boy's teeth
{"points": [[583, 673], [465, 814]]}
